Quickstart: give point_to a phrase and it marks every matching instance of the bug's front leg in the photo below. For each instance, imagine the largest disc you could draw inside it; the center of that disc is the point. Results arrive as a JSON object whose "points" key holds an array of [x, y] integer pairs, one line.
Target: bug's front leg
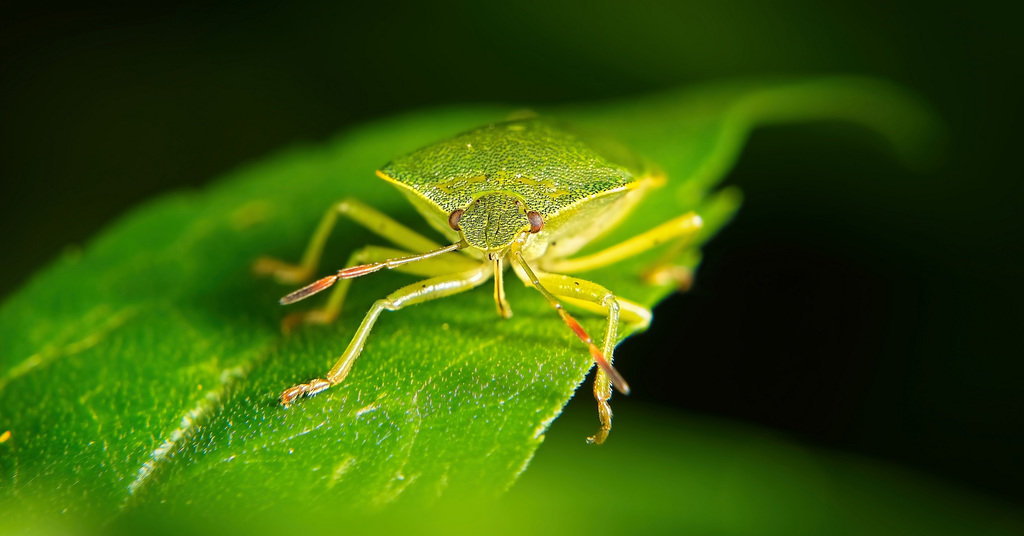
{"points": [[504, 310], [429, 289]]}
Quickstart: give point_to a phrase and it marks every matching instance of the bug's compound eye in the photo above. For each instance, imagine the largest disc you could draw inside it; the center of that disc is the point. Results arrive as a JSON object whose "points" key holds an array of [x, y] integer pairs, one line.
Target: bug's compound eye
{"points": [[536, 221], [453, 219]]}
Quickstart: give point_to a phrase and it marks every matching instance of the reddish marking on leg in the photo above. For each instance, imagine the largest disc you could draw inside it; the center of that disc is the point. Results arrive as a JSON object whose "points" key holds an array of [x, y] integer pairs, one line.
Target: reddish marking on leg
{"points": [[308, 290]]}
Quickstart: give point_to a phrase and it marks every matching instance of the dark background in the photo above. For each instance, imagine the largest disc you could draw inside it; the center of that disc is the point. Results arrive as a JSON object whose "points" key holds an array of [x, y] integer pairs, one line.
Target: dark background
{"points": [[853, 303]]}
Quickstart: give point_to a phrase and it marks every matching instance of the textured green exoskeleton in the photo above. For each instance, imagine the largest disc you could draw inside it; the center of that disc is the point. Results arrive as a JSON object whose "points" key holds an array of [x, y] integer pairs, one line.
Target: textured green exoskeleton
{"points": [[523, 194]]}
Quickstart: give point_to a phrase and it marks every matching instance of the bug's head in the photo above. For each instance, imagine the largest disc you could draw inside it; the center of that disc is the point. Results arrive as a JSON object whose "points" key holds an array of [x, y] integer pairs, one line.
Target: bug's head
{"points": [[492, 221]]}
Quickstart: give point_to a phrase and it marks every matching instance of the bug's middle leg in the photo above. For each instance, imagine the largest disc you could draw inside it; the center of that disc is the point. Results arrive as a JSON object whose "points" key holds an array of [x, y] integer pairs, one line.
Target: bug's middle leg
{"points": [[359, 212], [582, 292], [429, 289], [603, 300]]}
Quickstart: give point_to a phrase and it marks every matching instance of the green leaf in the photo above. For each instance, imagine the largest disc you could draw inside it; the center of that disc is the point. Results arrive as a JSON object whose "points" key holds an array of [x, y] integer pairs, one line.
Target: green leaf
{"points": [[143, 371]]}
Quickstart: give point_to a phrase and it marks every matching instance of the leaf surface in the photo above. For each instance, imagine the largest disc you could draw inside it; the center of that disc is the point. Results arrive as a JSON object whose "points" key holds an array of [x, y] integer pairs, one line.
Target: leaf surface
{"points": [[144, 369]]}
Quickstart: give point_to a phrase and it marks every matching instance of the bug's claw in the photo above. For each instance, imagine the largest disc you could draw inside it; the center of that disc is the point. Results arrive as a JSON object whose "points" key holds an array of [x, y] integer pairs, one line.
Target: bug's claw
{"points": [[604, 411], [598, 438], [283, 272], [504, 310], [290, 394], [305, 389]]}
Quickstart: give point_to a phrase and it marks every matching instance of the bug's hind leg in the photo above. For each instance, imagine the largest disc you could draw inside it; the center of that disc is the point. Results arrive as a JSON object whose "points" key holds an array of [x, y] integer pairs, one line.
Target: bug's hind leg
{"points": [[678, 231], [675, 264], [429, 289], [359, 212]]}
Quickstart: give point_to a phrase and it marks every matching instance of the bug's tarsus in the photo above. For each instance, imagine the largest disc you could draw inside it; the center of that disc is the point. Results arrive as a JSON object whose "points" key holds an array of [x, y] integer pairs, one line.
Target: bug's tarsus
{"points": [[679, 276], [604, 412], [305, 389]]}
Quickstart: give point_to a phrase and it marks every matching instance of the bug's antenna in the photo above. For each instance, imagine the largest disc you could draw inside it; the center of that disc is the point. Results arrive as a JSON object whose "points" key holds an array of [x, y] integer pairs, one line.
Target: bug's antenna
{"points": [[362, 269], [617, 380], [308, 290]]}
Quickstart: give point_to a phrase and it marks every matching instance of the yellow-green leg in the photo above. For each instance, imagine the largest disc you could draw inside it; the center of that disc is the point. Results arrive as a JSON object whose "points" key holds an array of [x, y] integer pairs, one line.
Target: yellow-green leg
{"points": [[596, 298], [680, 230], [359, 212], [504, 310], [550, 285], [429, 289]]}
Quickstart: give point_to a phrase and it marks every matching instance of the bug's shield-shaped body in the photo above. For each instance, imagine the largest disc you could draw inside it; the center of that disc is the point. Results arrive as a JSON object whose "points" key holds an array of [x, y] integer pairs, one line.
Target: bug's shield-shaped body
{"points": [[578, 192], [523, 194]]}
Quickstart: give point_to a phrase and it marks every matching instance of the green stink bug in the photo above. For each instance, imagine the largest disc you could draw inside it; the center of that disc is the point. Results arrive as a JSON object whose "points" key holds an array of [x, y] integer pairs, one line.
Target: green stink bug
{"points": [[521, 194]]}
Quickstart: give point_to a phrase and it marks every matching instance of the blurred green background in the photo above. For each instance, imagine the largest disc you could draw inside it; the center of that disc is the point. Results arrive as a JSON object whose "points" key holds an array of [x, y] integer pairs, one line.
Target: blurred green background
{"points": [[853, 304]]}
